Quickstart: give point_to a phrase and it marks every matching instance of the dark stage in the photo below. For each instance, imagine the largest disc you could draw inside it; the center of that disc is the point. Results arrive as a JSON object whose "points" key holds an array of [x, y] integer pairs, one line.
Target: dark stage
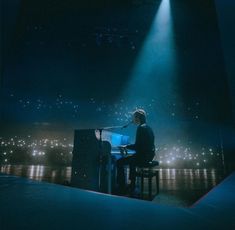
{"points": [[27, 204]]}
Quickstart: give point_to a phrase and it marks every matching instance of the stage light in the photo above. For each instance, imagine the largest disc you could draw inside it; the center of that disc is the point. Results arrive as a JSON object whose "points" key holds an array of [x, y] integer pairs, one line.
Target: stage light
{"points": [[153, 75]]}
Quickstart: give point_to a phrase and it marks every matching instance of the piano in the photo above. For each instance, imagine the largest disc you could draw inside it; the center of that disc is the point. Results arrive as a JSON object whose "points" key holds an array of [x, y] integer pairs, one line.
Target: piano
{"points": [[95, 152]]}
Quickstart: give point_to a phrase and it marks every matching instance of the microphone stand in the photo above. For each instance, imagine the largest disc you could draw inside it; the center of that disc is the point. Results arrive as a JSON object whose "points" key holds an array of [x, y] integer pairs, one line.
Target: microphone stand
{"points": [[109, 156], [114, 127], [100, 157]]}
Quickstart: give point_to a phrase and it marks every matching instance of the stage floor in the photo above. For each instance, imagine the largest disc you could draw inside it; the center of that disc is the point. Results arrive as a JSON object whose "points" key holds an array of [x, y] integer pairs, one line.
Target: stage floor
{"points": [[28, 204]]}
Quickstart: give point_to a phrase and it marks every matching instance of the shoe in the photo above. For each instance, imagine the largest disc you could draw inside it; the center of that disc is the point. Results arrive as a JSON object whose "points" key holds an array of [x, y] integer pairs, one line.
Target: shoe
{"points": [[120, 191], [135, 193]]}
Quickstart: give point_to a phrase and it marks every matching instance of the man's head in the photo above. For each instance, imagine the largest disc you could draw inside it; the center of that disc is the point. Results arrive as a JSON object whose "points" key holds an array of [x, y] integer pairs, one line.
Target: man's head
{"points": [[139, 116]]}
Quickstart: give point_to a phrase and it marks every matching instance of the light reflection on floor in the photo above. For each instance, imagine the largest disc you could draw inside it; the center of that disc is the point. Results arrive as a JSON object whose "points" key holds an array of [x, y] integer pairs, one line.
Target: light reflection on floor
{"points": [[178, 187]]}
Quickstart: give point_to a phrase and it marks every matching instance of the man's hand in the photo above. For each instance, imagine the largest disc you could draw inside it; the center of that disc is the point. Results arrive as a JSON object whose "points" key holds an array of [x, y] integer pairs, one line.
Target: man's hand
{"points": [[123, 149]]}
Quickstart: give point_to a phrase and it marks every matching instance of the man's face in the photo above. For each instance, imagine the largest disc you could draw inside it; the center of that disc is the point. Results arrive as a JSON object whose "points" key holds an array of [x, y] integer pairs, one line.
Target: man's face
{"points": [[136, 120]]}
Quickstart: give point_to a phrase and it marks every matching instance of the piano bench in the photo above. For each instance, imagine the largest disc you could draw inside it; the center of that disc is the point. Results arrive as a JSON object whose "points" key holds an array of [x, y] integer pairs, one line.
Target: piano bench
{"points": [[148, 171]]}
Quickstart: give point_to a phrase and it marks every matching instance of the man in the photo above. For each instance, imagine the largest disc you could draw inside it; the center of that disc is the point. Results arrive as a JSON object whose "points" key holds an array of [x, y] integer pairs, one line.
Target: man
{"points": [[144, 151]]}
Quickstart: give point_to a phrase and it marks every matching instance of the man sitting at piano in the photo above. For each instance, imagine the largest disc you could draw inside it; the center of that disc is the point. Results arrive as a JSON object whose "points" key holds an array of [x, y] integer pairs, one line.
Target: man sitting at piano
{"points": [[144, 152]]}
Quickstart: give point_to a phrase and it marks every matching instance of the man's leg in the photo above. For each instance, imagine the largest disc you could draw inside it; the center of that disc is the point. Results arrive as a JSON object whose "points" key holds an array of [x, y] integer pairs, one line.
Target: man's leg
{"points": [[132, 176], [120, 170], [120, 173]]}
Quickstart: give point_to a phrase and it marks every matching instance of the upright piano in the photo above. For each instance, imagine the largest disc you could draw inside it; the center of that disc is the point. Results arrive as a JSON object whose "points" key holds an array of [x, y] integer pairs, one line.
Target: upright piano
{"points": [[94, 155]]}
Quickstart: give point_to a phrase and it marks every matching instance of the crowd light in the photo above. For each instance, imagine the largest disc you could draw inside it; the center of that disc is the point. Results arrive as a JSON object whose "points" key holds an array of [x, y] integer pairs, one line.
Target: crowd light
{"points": [[182, 155], [168, 154]]}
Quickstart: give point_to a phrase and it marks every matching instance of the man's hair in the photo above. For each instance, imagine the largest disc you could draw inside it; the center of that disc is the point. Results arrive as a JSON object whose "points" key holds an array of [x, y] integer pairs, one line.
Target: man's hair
{"points": [[141, 114]]}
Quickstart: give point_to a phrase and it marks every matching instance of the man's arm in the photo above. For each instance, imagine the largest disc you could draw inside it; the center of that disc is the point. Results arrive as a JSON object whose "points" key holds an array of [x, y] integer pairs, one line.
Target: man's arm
{"points": [[137, 140]]}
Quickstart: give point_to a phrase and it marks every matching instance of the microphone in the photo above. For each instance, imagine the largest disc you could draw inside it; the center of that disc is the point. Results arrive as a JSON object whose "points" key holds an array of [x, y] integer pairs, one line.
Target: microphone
{"points": [[126, 125]]}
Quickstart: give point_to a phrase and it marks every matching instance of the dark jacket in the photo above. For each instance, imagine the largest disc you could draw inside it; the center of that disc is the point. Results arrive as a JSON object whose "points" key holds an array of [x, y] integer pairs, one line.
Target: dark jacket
{"points": [[144, 143]]}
